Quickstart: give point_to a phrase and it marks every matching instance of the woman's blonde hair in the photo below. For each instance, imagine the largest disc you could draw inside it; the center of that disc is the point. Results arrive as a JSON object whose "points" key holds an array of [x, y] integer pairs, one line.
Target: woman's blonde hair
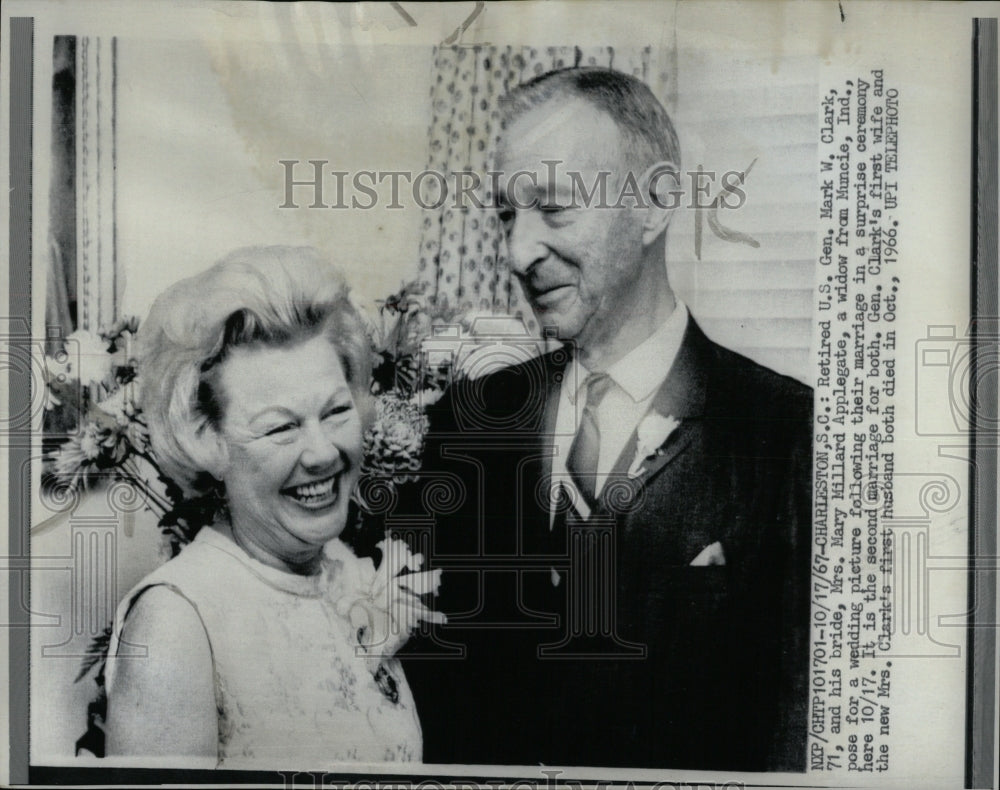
{"points": [[269, 296]]}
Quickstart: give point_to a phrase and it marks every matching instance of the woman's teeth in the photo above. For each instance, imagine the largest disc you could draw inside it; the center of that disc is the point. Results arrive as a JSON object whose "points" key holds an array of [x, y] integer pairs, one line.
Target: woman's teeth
{"points": [[315, 493]]}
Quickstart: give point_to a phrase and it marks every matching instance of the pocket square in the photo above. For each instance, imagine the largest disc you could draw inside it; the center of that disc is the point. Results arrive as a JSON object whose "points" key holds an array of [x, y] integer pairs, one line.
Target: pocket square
{"points": [[710, 555]]}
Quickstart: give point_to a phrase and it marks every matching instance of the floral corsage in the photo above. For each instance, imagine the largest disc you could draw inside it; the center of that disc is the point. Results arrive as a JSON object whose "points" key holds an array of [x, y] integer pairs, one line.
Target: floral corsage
{"points": [[383, 605]]}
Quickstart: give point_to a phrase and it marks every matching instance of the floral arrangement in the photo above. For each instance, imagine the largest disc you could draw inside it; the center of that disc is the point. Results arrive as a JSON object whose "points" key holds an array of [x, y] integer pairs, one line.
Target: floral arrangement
{"points": [[404, 381], [89, 384], [95, 435], [90, 395]]}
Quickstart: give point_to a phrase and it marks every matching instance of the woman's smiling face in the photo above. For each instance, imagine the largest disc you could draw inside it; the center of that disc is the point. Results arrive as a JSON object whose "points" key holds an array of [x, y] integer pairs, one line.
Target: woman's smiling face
{"points": [[293, 438]]}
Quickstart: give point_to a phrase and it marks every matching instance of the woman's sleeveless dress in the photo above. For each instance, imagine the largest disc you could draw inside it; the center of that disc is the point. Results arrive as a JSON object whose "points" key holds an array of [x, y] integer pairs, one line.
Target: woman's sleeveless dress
{"points": [[291, 688]]}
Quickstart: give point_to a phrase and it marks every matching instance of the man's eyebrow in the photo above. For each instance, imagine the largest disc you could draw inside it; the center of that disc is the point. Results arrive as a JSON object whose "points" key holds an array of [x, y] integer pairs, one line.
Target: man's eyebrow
{"points": [[560, 188], [534, 189]]}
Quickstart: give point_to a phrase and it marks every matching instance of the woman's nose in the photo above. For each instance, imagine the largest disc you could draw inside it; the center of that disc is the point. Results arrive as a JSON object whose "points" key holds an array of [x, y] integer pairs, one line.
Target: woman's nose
{"points": [[319, 448]]}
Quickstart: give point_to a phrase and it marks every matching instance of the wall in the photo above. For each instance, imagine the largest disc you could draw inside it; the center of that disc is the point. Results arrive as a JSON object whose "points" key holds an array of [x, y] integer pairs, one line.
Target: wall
{"points": [[201, 129]]}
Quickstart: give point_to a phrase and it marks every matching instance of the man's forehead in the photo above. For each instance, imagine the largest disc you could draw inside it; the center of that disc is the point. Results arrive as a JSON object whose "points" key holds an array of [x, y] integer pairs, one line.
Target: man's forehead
{"points": [[571, 130]]}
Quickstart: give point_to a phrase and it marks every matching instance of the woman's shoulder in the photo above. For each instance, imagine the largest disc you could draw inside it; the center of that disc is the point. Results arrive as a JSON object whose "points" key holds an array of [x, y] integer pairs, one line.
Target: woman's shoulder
{"points": [[174, 589], [164, 602], [160, 613], [156, 620], [203, 558]]}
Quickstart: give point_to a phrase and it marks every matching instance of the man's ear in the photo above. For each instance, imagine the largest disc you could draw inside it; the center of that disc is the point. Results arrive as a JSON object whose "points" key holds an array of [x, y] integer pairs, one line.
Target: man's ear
{"points": [[662, 191]]}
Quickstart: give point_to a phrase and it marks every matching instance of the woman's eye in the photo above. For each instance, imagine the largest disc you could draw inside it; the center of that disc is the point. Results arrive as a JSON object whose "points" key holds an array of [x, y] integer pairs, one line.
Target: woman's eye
{"points": [[334, 411], [278, 430]]}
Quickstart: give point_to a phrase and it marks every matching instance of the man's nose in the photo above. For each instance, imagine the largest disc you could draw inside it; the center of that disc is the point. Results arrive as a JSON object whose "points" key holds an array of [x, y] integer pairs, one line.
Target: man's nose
{"points": [[319, 450], [526, 240]]}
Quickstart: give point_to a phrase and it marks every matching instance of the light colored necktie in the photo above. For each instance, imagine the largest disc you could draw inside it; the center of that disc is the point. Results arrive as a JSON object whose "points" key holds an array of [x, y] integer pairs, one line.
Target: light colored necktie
{"points": [[581, 463]]}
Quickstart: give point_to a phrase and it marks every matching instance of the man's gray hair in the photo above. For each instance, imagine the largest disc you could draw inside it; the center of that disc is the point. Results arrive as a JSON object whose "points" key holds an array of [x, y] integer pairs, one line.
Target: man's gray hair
{"points": [[649, 133]]}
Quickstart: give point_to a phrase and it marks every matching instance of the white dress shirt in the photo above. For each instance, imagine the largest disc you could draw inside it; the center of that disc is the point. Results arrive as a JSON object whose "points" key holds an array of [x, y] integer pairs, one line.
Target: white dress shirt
{"points": [[638, 376]]}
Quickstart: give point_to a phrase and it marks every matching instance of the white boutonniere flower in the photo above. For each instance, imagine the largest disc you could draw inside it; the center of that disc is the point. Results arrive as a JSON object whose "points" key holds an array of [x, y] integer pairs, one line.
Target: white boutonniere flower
{"points": [[652, 433]]}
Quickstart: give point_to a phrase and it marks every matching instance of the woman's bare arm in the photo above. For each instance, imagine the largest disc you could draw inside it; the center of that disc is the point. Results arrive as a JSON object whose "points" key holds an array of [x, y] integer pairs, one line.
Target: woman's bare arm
{"points": [[163, 704]]}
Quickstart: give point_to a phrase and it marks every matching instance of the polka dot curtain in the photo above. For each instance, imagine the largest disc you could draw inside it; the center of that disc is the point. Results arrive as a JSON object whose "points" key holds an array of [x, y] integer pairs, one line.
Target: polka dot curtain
{"points": [[462, 259]]}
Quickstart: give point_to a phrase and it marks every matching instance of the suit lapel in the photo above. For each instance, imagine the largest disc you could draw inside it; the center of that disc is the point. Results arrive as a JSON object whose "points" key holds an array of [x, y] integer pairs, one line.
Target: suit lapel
{"points": [[681, 396], [679, 438], [555, 365], [537, 536]]}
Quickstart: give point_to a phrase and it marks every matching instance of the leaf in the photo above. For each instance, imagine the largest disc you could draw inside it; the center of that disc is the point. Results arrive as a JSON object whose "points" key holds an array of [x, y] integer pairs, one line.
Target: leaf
{"points": [[384, 372], [173, 491], [182, 522], [406, 374], [97, 653]]}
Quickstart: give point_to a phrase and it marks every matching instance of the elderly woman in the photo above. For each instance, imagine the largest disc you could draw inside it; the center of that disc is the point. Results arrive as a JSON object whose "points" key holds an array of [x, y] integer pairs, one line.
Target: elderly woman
{"points": [[256, 380]]}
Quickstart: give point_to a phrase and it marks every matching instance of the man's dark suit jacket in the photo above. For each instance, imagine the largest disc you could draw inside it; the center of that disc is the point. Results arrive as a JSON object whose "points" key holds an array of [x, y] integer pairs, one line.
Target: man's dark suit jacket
{"points": [[670, 665]]}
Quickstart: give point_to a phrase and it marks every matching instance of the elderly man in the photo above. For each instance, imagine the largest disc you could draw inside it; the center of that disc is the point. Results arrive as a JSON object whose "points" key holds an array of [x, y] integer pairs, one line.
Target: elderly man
{"points": [[626, 570]]}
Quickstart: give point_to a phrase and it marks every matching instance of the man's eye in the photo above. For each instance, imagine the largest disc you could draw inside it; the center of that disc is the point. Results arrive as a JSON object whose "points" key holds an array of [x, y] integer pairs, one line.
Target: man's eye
{"points": [[551, 208], [278, 430]]}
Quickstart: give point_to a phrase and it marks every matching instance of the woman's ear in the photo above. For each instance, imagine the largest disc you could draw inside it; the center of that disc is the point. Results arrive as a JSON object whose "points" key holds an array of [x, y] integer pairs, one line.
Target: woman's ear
{"points": [[217, 450], [662, 189], [207, 448]]}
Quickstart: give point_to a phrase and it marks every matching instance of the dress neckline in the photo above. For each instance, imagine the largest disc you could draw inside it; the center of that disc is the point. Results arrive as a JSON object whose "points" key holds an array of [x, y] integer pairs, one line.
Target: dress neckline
{"points": [[220, 537]]}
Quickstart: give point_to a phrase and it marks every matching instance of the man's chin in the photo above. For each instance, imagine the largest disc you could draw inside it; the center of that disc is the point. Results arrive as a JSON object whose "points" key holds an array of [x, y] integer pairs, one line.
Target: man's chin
{"points": [[561, 323], [552, 327]]}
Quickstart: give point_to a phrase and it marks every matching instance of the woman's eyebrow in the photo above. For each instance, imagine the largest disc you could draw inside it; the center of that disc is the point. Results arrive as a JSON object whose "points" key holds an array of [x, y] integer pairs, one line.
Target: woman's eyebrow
{"points": [[343, 391], [278, 411]]}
